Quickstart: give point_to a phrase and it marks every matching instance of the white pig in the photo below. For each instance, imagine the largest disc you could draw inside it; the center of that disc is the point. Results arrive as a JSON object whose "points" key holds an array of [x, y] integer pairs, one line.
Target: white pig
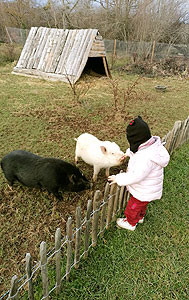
{"points": [[99, 154]]}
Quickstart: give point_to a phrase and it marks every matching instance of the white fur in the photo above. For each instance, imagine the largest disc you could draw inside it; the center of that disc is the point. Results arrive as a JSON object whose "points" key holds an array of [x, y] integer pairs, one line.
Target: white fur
{"points": [[99, 154]]}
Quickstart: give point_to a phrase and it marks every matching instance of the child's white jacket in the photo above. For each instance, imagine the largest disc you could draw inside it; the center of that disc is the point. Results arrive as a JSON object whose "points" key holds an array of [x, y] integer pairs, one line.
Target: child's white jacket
{"points": [[144, 176]]}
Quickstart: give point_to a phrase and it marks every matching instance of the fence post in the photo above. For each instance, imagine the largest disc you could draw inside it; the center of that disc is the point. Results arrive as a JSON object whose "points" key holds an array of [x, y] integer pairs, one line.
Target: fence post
{"points": [[114, 53], [14, 288], [44, 273], [96, 205], [126, 197], [170, 137], [186, 130], [174, 135], [121, 198], [69, 247], [87, 229], [103, 213], [29, 273], [110, 205], [78, 237], [58, 258], [116, 203], [153, 49], [7, 32], [177, 136], [184, 134]]}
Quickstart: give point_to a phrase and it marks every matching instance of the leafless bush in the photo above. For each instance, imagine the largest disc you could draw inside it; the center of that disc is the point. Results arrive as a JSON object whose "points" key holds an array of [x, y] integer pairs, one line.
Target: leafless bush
{"points": [[166, 67], [122, 95], [79, 89], [9, 53]]}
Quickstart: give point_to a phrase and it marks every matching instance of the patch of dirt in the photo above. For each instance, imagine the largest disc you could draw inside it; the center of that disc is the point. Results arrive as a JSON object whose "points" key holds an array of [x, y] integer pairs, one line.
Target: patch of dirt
{"points": [[33, 215]]}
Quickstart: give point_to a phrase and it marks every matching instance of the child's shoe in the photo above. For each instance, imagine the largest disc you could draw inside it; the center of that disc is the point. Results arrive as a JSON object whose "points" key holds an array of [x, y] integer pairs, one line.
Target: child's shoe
{"points": [[141, 221], [122, 223]]}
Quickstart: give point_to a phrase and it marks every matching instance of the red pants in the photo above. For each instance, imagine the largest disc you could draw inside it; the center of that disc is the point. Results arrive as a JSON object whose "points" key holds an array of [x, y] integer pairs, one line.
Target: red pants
{"points": [[135, 210]]}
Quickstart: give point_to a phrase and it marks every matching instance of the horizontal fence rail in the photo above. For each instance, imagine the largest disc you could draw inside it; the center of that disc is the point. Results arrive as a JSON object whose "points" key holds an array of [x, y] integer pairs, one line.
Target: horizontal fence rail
{"points": [[101, 212]]}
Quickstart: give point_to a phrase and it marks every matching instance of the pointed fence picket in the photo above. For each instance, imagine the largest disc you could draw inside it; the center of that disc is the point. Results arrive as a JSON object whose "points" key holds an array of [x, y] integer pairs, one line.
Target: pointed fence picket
{"points": [[87, 230], [29, 276], [101, 212], [177, 136], [58, 259], [13, 294], [69, 247], [78, 238], [95, 219], [44, 272]]}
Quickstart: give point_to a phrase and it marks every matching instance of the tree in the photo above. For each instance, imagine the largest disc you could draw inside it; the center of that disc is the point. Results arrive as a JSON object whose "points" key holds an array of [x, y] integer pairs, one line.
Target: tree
{"points": [[129, 20]]}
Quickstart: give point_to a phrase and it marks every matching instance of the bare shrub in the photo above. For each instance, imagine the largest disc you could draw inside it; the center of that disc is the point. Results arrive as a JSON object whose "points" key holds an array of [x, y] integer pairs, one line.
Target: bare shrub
{"points": [[122, 95], [80, 88], [9, 53], [167, 67]]}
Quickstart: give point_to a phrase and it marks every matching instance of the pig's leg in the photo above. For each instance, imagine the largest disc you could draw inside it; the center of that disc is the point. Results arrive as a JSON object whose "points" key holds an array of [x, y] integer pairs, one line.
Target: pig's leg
{"points": [[10, 178], [76, 156], [76, 159], [57, 194], [107, 172], [95, 174]]}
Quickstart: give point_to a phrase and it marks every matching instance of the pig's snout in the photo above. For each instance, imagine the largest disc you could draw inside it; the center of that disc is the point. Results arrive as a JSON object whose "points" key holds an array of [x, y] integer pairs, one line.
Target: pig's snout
{"points": [[123, 157]]}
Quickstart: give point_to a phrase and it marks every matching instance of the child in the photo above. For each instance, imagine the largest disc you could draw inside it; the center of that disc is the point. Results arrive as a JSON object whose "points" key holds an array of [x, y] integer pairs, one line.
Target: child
{"points": [[144, 176]]}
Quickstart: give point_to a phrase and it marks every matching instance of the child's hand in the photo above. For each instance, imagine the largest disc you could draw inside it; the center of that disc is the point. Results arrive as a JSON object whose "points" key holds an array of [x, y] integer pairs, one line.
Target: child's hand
{"points": [[112, 179]]}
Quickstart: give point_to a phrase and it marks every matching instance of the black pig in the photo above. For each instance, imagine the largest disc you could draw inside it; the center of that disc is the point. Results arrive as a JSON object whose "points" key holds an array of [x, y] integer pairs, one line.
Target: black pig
{"points": [[50, 173]]}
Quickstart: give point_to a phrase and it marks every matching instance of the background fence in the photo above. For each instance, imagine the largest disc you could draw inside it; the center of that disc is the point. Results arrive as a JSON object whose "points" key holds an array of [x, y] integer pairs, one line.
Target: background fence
{"points": [[132, 48], [16, 35], [68, 251], [145, 49]]}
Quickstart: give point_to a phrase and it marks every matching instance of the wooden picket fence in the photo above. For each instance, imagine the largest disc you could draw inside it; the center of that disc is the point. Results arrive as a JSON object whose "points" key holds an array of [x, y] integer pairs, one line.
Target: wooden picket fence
{"points": [[177, 136], [101, 212]]}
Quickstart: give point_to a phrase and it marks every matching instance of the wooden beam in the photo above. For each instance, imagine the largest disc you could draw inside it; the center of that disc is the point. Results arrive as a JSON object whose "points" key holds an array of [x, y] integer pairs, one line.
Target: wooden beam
{"points": [[106, 67]]}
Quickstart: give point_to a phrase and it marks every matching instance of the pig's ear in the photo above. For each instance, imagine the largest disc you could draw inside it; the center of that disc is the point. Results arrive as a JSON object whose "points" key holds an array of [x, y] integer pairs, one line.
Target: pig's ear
{"points": [[72, 178], [103, 149]]}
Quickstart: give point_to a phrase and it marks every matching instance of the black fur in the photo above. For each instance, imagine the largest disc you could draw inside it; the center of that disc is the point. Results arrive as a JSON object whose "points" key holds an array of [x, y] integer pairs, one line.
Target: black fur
{"points": [[50, 173]]}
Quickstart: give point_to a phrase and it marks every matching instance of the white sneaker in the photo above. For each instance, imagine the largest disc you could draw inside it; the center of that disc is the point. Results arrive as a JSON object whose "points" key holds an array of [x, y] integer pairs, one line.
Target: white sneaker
{"points": [[141, 221], [122, 223]]}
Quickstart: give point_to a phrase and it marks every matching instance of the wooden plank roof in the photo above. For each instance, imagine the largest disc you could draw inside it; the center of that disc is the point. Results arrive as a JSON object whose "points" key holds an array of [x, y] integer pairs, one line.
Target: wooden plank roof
{"points": [[59, 54]]}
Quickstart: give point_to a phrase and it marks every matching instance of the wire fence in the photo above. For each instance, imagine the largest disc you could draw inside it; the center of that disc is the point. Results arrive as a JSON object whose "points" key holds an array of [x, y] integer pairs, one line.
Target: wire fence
{"points": [[16, 35], [141, 48], [101, 212], [145, 49], [99, 216]]}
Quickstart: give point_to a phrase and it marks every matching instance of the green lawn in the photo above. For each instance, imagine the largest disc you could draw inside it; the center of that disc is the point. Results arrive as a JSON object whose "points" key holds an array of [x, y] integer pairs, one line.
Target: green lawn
{"points": [[42, 117], [149, 263]]}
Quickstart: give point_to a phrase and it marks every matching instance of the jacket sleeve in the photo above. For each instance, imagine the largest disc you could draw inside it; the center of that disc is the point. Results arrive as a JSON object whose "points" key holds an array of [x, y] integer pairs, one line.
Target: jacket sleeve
{"points": [[136, 175]]}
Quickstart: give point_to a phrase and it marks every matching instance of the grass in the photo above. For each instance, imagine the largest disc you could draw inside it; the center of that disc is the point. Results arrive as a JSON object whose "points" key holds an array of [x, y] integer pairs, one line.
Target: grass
{"points": [[43, 118], [150, 263]]}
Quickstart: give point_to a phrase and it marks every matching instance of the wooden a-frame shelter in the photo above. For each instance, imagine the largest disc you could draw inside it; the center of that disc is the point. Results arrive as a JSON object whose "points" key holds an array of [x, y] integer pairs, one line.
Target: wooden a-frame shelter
{"points": [[58, 54]]}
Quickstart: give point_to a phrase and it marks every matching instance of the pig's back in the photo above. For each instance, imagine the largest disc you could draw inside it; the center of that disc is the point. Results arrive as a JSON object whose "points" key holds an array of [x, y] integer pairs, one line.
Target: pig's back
{"points": [[87, 139], [18, 157], [21, 164], [88, 148]]}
